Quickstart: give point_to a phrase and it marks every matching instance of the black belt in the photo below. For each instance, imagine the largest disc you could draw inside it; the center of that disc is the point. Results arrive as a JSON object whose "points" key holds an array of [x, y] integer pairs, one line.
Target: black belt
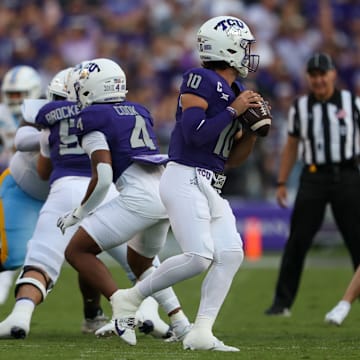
{"points": [[334, 167]]}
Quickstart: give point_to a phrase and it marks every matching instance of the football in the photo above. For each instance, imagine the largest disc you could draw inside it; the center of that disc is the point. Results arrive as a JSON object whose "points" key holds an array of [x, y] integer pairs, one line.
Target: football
{"points": [[258, 119]]}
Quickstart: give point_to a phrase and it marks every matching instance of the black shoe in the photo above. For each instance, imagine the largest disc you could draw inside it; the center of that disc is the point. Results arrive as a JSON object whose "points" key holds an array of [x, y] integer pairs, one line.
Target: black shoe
{"points": [[277, 310], [18, 332]]}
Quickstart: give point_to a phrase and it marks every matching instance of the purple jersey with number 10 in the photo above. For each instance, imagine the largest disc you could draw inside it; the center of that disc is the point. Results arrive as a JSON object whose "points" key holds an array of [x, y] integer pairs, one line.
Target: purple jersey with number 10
{"points": [[214, 151], [128, 128], [67, 156]]}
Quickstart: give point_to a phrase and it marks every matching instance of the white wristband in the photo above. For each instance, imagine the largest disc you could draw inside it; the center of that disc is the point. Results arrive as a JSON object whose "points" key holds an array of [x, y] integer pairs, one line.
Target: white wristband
{"points": [[233, 111]]}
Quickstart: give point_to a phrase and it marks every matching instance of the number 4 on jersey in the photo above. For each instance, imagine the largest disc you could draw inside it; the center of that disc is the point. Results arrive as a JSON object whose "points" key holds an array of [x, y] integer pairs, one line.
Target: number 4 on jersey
{"points": [[140, 136]]}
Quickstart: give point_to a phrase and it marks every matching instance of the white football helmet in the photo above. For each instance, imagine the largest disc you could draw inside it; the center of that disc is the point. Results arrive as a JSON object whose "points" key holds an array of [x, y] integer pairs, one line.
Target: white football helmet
{"points": [[101, 80], [227, 38], [58, 87], [19, 83], [72, 79]]}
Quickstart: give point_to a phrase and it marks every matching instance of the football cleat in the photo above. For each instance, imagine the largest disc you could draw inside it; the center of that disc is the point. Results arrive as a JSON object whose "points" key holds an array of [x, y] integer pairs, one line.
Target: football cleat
{"points": [[197, 339], [107, 330], [124, 311], [338, 314], [122, 327], [276, 310], [149, 321], [89, 326], [11, 328], [178, 332], [18, 332]]}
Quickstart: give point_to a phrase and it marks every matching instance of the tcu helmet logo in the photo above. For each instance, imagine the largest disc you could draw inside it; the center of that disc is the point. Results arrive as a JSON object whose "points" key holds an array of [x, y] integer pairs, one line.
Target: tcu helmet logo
{"points": [[86, 70], [93, 67], [229, 23]]}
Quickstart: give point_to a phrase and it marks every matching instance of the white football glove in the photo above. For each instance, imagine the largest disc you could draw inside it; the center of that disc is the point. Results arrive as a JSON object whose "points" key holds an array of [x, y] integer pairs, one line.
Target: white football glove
{"points": [[70, 219]]}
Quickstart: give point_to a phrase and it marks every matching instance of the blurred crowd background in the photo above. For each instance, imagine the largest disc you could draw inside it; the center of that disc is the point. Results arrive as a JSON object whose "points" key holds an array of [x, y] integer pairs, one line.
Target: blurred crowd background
{"points": [[154, 42]]}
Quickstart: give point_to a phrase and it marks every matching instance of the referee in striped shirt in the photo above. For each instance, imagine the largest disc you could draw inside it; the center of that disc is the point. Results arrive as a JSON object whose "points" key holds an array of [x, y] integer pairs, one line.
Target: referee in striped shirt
{"points": [[323, 127]]}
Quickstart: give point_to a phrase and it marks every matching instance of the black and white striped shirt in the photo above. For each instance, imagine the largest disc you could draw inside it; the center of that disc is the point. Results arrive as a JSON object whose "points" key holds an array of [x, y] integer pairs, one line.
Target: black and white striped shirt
{"points": [[329, 131]]}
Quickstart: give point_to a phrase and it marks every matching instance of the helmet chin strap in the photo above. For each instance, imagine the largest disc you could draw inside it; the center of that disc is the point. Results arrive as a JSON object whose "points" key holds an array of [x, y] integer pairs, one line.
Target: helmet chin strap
{"points": [[243, 72]]}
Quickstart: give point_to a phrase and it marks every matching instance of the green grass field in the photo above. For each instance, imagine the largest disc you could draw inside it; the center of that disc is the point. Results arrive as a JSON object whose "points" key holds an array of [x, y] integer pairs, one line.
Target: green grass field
{"points": [[55, 332]]}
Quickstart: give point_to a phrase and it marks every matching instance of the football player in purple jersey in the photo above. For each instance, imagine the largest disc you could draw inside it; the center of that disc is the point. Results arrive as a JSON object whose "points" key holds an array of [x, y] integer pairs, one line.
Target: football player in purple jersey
{"points": [[118, 136], [207, 137], [45, 249], [69, 170]]}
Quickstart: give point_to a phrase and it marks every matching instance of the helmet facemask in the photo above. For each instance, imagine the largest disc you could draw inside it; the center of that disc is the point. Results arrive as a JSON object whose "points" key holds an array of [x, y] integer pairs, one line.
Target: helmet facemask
{"points": [[14, 100], [72, 79], [57, 89], [244, 62]]}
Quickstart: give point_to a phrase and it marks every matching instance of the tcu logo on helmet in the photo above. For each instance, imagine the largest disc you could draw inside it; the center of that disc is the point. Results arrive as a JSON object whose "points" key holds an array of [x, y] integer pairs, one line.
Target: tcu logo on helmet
{"points": [[91, 67], [229, 23], [88, 69]]}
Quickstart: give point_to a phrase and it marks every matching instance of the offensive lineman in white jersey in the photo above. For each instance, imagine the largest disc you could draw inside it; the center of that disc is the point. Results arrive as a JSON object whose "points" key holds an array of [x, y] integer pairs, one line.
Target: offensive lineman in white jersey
{"points": [[22, 191]]}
